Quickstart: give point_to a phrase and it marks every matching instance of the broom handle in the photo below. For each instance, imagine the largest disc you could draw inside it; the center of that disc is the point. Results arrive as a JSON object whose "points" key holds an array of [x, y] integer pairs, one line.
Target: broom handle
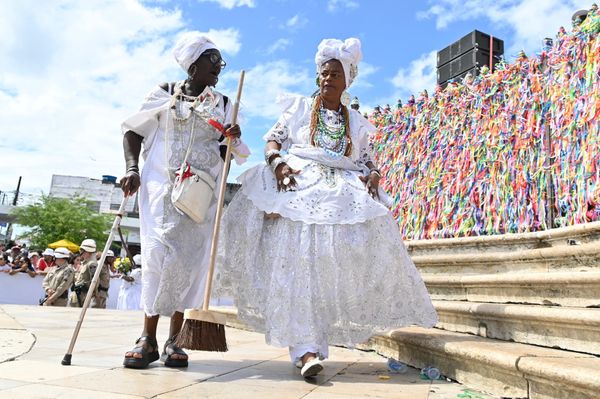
{"points": [[221, 200]]}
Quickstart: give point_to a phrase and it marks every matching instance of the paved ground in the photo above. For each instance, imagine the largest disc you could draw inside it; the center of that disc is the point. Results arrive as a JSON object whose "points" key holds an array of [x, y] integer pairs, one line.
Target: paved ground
{"points": [[34, 340]]}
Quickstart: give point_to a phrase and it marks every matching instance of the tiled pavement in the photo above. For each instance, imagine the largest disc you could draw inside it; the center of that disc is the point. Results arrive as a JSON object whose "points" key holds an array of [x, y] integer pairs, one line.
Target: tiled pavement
{"points": [[34, 340]]}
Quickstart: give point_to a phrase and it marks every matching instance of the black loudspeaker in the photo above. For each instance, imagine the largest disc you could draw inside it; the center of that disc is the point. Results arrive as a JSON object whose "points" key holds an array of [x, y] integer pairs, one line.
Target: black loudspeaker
{"points": [[475, 58], [443, 56], [468, 62], [444, 72], [475, 39], [459, 78]]}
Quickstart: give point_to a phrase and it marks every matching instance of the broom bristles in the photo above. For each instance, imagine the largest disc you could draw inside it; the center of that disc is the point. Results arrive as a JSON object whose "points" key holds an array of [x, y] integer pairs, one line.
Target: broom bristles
{"points": [[202, 336]]}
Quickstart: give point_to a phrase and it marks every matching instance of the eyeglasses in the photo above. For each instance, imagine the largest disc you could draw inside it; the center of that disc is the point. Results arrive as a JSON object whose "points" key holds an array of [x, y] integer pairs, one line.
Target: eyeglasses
{"points": [[215, 59]]}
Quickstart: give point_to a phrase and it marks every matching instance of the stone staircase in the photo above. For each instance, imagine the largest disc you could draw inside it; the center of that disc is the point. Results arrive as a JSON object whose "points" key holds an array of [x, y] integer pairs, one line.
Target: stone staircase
{"points": [[519, 313]]}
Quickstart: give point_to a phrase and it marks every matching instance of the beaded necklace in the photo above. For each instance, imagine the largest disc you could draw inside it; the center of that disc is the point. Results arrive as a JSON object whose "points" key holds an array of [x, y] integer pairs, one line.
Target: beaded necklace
{"points": [[332, 140]]}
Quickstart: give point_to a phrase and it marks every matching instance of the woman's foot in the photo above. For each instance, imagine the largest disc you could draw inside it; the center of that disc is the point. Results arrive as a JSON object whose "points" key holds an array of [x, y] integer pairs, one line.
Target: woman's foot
{"points": [[311, 365], [174, 356], [144, 353]]}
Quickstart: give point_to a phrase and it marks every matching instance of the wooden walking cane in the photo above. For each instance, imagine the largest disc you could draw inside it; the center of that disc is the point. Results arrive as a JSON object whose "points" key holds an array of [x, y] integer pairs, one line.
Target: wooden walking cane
{"points": [[203, 329], [67, 358]]}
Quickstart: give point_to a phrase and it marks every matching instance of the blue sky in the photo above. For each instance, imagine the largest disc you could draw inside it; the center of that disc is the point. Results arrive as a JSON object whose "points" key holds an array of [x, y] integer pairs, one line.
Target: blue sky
{"points": [[71, 71]]}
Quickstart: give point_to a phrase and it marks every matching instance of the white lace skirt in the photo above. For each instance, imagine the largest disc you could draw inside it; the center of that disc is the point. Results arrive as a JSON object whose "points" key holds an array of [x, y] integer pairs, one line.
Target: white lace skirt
{"points": [[302, 283]]}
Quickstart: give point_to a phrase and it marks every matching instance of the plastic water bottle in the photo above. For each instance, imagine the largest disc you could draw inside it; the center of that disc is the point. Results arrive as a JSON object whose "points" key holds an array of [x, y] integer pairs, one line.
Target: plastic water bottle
{"points": [[396, 367], [431, 373]]}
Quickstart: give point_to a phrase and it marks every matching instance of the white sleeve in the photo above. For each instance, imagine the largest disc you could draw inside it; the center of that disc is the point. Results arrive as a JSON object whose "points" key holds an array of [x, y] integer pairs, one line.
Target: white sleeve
{"points": [[293, 107], [145, 121], [239, 149], [363, 146]]}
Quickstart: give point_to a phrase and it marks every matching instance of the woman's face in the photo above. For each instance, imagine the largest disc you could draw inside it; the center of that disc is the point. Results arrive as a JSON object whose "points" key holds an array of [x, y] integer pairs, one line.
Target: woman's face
{"points": [[332, 81], [206, 69]]}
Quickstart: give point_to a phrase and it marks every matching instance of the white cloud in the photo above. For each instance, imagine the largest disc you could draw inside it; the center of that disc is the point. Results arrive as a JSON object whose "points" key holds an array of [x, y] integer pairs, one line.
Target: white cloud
{"points": [[364, 71], [229, 4], [264, 82], [294, 23], [334, 5], [227, 40], [66, 87], [280, 44], [530, 20], [420, 74]]}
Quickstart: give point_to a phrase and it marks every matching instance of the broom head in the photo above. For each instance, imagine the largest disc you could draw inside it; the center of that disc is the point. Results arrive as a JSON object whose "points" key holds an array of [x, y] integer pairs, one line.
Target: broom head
{"points": [[203, 330]]}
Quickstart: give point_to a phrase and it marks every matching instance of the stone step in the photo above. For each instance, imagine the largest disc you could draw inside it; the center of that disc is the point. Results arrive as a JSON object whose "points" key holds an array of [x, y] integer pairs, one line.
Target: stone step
{"points": [[579, 289], [574, 329], [504, 369], [581, 233], [583, 257], [500, 368]]}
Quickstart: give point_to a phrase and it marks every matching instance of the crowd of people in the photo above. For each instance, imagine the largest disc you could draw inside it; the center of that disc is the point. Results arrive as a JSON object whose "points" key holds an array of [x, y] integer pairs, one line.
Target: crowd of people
{"points": [[67, 276]]}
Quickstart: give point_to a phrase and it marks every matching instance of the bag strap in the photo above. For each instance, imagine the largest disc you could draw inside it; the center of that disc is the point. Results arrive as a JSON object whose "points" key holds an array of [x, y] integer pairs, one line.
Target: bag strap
{"points": [[187, 153]]}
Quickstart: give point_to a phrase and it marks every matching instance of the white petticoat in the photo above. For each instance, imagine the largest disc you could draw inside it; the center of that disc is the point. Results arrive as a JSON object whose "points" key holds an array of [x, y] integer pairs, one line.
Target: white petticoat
{"points": [[300, 282]]}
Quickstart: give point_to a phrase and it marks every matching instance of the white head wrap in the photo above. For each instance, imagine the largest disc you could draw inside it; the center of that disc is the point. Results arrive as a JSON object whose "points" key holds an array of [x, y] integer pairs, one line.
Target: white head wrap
{"points": [[189, 47], [347, 52]]}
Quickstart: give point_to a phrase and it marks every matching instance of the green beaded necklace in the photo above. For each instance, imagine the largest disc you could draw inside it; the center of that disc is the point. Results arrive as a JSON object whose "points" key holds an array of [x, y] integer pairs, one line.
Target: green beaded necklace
{"points": [[334, 134]]}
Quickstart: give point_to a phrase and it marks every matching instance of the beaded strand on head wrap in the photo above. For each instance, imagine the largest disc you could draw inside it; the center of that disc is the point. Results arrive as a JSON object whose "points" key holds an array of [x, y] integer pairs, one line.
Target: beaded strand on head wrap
{"points": [[314, 122]]}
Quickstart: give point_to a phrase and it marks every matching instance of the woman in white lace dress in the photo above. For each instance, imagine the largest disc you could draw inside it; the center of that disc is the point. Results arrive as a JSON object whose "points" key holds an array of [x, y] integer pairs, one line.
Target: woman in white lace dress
{"points": [[309, 252], [175, 249]]}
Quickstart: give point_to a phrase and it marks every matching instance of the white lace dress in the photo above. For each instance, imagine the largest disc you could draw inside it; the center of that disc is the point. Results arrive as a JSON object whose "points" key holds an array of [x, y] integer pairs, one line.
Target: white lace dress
{"points": [[332, 268], [175, 249], [130, 293]]}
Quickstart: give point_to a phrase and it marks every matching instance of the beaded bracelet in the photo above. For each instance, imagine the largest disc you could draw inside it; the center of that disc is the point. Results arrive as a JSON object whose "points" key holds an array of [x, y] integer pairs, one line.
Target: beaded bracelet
{"points": [[376, 171], [275, 163], [269, 154]]}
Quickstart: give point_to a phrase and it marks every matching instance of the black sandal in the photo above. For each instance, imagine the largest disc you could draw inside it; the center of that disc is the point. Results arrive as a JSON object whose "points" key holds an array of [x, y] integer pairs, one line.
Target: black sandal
{"points": [[171, 349], [147, 357]]}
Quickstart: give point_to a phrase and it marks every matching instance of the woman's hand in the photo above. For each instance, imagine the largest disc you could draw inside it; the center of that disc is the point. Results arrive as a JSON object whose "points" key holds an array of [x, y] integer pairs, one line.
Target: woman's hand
{"points": [[371, 181], [130, 183], [233, 131], [285, 177]]}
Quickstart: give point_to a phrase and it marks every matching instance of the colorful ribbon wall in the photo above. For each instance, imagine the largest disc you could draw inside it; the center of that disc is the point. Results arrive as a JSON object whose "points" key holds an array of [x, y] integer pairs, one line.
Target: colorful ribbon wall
{"points": [[515, 150]]}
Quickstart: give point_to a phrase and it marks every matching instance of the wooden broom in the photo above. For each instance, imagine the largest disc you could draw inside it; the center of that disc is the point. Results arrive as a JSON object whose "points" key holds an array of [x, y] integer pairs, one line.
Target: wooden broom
{"points": [[203, 329]]}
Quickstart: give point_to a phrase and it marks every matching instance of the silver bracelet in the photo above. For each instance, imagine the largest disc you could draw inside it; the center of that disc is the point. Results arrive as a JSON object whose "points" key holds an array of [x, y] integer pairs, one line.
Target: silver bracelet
{"points": [[269, 154], [276, 162]]}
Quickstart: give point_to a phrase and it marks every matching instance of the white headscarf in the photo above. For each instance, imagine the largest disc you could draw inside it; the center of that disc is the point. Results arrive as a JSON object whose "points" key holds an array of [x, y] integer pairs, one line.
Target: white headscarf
{"points": [[347, 52], [189, 47]]}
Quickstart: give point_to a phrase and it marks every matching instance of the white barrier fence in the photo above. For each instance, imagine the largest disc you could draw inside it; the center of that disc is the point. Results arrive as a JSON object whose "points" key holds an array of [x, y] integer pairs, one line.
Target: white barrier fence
{"points": [[21, 289]]}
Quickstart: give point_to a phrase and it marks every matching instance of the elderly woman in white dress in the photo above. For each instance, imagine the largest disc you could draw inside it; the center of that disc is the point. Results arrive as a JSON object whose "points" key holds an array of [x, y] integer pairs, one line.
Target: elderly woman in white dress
{"points": [[326, 263], [130, 292], [177, 121]]}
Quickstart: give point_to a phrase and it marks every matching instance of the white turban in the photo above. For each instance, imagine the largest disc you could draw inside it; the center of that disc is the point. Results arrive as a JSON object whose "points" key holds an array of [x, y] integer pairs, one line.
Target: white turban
{"points": [[347, 52], [189, 47]]}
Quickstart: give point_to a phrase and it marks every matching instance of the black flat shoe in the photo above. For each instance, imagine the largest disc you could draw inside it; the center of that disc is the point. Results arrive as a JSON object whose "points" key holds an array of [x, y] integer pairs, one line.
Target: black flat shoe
{"points": [[147, 357], [170, 350]]}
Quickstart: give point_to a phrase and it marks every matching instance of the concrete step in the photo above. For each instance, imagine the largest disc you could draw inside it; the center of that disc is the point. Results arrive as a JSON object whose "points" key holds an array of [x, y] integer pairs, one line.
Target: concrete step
{"points": [[574, 329], [579, 289], [581, 233], [572, 258], [505, 369]]}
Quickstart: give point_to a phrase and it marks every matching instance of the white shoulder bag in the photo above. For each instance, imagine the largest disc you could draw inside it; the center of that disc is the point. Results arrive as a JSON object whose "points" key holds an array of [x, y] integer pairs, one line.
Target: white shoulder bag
{"points": [[193, 188]]}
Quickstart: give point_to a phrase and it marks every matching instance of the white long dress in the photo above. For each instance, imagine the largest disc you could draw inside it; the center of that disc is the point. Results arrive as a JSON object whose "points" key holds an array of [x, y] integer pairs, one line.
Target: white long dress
{"points": [[130, 293], [332, 268], [174, 248]]}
